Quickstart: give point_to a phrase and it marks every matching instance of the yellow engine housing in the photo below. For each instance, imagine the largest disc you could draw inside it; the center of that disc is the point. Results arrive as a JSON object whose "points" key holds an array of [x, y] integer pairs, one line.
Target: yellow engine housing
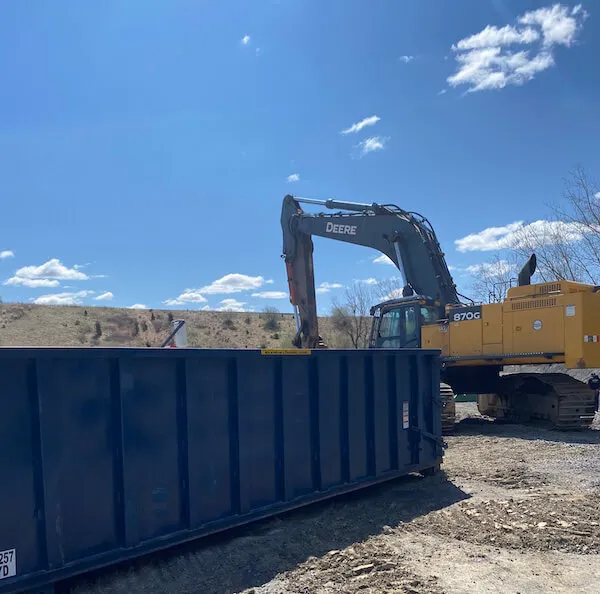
{"points": [[555, 322]]}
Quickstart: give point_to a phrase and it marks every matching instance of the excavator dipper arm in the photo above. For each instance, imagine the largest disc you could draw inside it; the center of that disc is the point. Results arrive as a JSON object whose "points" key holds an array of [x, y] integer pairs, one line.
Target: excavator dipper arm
{"points": [[406, 238]]}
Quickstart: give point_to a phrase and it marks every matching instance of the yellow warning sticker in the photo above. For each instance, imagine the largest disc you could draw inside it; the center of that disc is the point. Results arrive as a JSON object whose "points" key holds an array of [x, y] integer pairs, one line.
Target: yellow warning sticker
{"points": [[285, 351]]}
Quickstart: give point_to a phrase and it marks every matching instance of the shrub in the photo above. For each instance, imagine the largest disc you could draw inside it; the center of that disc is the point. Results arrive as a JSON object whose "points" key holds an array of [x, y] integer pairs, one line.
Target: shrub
{"points": [[98, 329], [270, 318], [228, 323], [170, 317]]}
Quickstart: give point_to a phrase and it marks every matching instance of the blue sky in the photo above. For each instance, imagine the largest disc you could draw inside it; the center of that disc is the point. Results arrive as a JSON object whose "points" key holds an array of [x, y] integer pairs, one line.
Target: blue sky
{"points": [[146, 146]]}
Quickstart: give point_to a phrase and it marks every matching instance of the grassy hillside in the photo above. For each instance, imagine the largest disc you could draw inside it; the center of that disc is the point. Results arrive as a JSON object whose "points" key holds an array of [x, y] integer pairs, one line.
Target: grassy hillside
{"points": [[43, 325], [52, 325]]}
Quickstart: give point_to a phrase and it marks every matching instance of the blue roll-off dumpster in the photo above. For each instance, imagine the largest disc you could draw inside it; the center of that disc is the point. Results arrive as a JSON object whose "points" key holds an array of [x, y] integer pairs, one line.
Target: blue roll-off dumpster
{"points": [[108, 454]]}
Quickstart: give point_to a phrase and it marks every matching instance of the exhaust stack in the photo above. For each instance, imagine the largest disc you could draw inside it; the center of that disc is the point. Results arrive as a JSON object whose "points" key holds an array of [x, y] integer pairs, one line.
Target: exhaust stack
{"points": [[527, 271]]}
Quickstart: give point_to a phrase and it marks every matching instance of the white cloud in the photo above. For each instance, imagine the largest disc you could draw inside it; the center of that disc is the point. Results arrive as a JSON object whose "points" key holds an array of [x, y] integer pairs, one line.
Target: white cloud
{"points": [[486, 60], [492, 238], [6, 254], [270, 295], [52, 269], [370, 281], [32, 283], [559, 24], [457, 270], [258, 51], [74, 298], [358, 126], [294, 177], [489, 68], [107, 296], [393, 294], [205, 308], [232, 305], [326, 287], [597, 195], [45, 275], [230, 283], [245, 39], [383, 259], [371, 144], [493, 36], [406, 59], [508, 236], [137, 306], [233, 283], [188, 296], [269, 282], [491, 269]]}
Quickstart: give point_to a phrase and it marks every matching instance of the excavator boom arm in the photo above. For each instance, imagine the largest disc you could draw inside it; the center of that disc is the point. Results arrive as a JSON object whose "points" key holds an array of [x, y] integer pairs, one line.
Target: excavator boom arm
{"points": [[406, 238]]}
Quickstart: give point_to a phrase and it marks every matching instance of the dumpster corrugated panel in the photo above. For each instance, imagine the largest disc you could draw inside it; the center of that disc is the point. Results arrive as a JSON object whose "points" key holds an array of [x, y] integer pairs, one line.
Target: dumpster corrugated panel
{"points": [[107, 454]]}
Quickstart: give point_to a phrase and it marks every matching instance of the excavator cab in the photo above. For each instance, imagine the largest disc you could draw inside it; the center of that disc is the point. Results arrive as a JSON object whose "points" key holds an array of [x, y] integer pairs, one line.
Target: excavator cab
{"points": [[397, 322]]}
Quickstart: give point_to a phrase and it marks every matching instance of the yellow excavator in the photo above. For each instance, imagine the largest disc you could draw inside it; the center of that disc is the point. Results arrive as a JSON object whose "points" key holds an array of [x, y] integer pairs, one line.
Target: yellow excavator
{"points": [[536, 324]]}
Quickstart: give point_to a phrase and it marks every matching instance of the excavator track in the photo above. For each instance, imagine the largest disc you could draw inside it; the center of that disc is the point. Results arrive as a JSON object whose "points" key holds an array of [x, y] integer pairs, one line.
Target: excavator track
{"points": [[448, 409], [563, 401]]}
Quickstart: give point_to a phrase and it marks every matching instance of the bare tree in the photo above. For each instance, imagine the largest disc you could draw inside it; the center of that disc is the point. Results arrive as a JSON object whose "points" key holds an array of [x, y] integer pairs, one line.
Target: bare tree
{"points": [[558, 248], [580, 210], [567, 246], [388, 288], [351, 317], [493, 279]]}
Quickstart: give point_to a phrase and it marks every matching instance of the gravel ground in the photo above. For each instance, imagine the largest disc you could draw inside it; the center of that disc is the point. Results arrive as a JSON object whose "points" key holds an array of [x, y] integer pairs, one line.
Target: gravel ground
{"points": [[514, 510]]}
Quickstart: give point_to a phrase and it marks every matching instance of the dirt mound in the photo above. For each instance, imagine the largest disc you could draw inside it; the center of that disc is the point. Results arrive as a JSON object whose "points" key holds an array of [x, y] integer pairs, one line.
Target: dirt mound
{"points": [[510, 476], [560, 522], [515, 477], [368, 567]]}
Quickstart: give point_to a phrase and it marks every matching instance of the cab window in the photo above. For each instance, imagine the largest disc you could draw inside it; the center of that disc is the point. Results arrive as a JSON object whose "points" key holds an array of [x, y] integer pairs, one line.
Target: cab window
{"points": [[390, 329], [411, 325], [429, 315], [399, 328]]}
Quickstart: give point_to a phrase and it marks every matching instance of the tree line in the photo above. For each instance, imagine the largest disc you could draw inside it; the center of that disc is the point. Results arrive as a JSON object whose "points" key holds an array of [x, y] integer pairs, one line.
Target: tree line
{"points": [[566, 243]]}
